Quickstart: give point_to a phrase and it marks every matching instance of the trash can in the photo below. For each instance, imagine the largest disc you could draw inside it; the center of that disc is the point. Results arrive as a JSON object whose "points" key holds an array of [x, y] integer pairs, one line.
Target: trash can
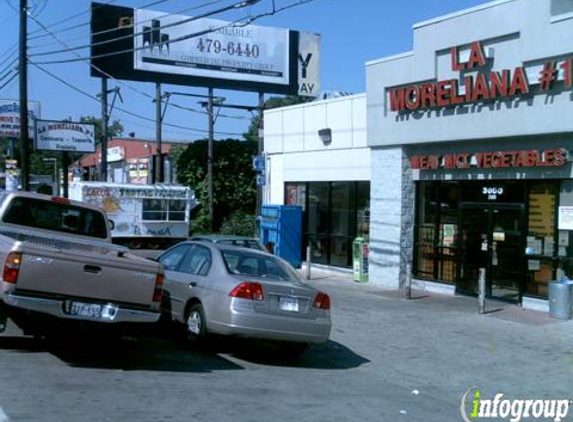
{"points": [[360, 260], [560, 300]]}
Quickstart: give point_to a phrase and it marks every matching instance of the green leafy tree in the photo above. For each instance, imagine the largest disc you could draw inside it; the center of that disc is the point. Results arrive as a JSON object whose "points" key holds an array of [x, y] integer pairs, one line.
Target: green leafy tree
{"points": [[234, 186], [114, 129]]}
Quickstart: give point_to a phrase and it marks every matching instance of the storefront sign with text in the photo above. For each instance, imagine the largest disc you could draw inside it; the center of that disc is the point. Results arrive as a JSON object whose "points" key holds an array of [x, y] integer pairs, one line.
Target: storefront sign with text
{"points": [[556, 157], [481, 86]]}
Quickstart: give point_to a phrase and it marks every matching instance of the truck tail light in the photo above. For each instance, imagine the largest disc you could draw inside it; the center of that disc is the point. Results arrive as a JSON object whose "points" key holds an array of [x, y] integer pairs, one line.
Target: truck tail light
{"points": [[60, 200], [321, 301], [252, 291], [158, 291], [12, 267]]}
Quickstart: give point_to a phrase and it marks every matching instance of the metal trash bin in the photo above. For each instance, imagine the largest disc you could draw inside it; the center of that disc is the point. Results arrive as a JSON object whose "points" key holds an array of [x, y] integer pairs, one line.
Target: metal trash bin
{"points": [[560, 300]]}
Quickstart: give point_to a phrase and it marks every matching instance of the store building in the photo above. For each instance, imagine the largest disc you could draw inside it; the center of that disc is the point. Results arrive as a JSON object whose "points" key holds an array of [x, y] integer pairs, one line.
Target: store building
{"points": [[129, 160], [471, 136], [318, 158]]}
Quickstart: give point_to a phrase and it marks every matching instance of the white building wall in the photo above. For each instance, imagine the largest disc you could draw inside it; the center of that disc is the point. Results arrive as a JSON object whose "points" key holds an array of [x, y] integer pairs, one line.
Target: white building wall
{"points": [[296, 153]]}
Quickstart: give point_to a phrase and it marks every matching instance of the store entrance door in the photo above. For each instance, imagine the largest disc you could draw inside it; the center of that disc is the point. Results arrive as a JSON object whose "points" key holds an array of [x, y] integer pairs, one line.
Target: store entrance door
{"points": [[492, 237]]}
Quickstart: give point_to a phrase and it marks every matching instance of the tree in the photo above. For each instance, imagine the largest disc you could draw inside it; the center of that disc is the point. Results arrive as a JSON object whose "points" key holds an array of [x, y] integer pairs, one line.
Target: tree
{"points": [[252, 134], [234, 188], [115, 129]]}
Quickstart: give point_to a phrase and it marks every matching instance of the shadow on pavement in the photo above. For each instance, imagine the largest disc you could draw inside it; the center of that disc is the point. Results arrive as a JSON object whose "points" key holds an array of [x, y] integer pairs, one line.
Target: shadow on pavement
{"points": [[329, 356], [101, 352]]}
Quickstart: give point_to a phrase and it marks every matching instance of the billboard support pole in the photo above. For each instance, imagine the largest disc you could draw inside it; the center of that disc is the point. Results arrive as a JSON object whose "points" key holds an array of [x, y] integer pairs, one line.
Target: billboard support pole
{"points": [[23, 74], [104, 124], [210, 159], [158, 167]]}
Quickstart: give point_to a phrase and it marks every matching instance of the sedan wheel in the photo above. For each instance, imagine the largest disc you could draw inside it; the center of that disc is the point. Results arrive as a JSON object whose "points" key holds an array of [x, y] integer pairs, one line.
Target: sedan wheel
{"points": [[196, 327]]}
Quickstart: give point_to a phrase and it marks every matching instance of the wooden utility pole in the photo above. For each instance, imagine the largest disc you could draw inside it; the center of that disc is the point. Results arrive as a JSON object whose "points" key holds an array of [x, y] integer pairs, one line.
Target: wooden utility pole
{"points": [[23, 77], [104, 135]]}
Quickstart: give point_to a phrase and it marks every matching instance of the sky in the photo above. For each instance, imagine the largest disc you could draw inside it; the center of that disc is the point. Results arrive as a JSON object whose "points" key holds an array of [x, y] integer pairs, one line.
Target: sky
{"points": [[352, 32]]}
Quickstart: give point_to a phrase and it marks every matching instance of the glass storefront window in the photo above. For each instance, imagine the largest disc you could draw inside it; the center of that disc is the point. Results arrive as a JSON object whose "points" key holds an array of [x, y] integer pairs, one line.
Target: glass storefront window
{"points": [[540, 241], [334, 214]]}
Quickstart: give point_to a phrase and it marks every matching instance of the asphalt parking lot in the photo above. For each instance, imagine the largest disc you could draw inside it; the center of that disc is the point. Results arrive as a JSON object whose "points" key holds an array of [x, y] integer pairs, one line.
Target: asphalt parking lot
{"points": [[388, 360]]}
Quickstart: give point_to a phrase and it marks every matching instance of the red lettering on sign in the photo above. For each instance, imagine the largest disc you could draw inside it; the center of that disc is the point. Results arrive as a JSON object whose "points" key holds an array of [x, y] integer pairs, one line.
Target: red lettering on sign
{"points": [[480, 90], [428, 96], [518, 82], [412, 97], [455, 97], [442, 91], [397, 102], [456, 66], [499, 84], [477, 56]]}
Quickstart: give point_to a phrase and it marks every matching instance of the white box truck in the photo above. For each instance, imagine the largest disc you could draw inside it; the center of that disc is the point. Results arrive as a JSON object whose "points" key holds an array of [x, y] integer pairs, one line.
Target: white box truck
{"points": [[144, 216]]}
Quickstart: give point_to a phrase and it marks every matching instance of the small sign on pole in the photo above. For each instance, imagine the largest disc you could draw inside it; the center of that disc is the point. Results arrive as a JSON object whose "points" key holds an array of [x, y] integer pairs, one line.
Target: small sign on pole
{"points": [[64, 136]]}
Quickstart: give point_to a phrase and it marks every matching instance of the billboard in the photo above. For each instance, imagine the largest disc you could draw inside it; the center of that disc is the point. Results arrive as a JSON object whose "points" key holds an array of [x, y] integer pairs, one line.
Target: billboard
{"points": [[250, 53], [64, 136], [149, 46], [10, 118]]}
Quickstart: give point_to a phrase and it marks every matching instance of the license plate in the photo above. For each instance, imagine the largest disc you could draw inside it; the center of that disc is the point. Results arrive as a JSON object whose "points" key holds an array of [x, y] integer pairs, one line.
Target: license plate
{"points": [[288, 304], [85, 309]]}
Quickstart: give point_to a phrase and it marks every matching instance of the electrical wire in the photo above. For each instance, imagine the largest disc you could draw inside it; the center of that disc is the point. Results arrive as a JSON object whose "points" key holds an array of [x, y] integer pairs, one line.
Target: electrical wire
{"points": [[8, 69], [234, 24], [71, 86], [185, 10], [8, 81], [88, 61], [238, 5]]}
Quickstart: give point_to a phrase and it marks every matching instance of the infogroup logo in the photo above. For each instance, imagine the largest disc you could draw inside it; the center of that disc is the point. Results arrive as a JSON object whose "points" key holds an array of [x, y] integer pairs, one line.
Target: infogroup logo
{"points": [[473, 408]]}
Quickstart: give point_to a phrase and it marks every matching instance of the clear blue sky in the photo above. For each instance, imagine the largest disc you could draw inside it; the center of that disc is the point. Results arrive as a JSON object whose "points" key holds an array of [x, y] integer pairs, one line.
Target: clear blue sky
{"points": [[353, 32]]}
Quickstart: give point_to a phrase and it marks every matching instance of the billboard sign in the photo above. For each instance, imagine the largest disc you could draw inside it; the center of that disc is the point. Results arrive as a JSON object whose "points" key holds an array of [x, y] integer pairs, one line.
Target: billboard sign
{"points": [[64, 136], [309, 64], [10, 117], [250, 53], [149, 46]]}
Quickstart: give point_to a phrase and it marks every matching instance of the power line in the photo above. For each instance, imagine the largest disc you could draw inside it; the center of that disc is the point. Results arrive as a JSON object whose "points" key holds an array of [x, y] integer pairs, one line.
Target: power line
{"points": [[234, 24], [69, 85], [8, 68], [238, 5], [8, 81], [187, 9], [88, 61]]}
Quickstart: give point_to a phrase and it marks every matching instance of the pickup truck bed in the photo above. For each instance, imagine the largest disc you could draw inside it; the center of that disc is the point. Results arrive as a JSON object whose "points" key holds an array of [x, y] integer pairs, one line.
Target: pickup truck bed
{"points": [[73, 276]]}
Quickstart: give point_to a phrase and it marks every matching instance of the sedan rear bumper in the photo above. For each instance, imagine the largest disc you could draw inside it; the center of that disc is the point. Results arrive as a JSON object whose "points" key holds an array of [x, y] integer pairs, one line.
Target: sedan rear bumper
{"points": [[111, 313], [273, 327]]}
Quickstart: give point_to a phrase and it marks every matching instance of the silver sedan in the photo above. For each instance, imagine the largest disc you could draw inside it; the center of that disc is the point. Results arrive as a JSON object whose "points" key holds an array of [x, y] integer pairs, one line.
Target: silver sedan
{"points": [[222, 289]]}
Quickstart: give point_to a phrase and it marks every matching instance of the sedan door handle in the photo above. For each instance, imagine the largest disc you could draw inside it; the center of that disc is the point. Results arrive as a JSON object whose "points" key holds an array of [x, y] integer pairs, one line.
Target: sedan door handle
{"points": [[192, 284], [94, 269]]}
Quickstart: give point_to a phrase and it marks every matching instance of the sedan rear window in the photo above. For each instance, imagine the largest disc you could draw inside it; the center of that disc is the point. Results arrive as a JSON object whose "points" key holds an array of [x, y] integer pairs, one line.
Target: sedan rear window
{"points": [[258, 266], [41, 214]]}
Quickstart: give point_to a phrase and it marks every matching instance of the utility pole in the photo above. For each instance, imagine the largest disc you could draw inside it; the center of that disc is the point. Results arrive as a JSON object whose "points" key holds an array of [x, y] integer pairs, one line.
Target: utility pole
{"points": [[210, 158], [158, 165], [260, 149], [104, 123], [23, 77]]}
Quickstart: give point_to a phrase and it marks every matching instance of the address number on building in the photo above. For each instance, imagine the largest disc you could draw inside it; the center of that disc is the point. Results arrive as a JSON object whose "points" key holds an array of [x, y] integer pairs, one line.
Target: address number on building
{"points": [[492, 192]]}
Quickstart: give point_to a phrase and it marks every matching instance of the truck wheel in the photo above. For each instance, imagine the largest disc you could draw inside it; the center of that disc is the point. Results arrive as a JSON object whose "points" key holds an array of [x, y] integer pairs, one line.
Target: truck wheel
{"points": [[195, 324]]}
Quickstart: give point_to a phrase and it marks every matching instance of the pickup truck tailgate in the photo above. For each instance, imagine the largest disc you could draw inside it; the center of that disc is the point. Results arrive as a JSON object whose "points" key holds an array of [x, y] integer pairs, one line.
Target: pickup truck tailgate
{"points": [[126, 279]]}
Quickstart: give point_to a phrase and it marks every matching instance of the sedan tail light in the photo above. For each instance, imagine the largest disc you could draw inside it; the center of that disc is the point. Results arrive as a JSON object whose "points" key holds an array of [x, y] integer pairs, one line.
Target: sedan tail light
{"points": [[12, 267], [321, 301], [158, 291], [252, 291]]}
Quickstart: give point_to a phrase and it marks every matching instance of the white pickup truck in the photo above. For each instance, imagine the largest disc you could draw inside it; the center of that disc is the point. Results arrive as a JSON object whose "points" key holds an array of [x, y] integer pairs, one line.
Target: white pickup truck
{"points": [[58, 260]]}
